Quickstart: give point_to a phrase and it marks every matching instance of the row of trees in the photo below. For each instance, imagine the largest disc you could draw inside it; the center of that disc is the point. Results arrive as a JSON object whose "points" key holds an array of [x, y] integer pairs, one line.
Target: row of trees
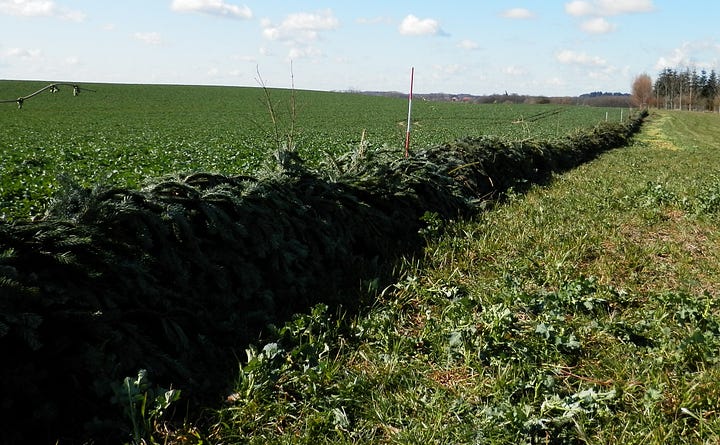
{"points": [[673, 89]]}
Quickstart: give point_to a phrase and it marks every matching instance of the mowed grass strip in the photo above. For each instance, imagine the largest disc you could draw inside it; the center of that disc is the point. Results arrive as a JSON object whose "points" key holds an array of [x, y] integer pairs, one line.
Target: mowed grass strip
{"points": [[584, 311]]}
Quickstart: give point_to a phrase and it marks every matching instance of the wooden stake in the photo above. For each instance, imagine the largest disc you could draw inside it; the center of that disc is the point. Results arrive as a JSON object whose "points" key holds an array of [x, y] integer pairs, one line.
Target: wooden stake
{"points": [[410, 96]]}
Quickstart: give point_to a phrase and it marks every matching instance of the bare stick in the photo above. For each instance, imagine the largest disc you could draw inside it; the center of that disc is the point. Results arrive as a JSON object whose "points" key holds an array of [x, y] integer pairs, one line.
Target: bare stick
{"points": [[292, 107], [269, 104]]}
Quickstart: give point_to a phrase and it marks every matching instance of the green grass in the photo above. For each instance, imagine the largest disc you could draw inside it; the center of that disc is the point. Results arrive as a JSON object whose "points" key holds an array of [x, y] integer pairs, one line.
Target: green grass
{"points": [[125, 135], [584, 311]]}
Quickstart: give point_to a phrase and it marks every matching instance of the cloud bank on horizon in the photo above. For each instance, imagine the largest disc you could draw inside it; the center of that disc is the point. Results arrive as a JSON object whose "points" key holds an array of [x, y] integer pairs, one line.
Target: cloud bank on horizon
{"points": [[556, 48]]}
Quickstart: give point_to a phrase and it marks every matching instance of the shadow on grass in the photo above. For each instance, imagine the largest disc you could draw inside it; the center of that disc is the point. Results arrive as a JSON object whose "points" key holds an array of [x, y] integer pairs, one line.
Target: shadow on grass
{"points": [[180, 277]]}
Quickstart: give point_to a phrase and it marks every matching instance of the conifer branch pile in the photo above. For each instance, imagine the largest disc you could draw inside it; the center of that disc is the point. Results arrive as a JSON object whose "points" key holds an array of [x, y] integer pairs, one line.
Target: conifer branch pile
{"points": [[178, 277]]}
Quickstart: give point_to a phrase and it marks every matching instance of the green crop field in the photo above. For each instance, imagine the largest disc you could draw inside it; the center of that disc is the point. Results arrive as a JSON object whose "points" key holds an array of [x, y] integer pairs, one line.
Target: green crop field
{"points": [[483, 290], [126, 134]]}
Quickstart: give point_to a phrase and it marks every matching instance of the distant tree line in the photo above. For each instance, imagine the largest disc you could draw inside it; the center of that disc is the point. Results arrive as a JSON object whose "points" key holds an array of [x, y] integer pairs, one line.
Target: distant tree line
{"points": [[687, 89], [596, 98], [603, 93], [604, 99]]}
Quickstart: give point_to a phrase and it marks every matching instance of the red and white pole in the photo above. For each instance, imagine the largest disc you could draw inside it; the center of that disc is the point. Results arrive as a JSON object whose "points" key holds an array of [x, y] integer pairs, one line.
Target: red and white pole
{"points": [[410, 96]]}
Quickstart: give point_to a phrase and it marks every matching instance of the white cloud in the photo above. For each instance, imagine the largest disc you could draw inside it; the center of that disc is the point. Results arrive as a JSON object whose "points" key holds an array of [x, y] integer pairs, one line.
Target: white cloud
{"points": [[701, 53], [307, 52], [606, 73], [468, 45], [614, 7], [518, 13], [599, 9], [514, 71], [301, 27], [151, 38], [606, 8], [414, 26], [39, 8], [574, 58], [667, 62], [579, 8], [446, 72], [23, 54], [300, 31], [28, 8], [73, 16], [212, 7], [597, 25]]}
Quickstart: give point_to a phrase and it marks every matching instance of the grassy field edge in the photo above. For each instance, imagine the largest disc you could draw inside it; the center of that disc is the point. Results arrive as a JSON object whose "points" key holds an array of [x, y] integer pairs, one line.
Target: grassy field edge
{"points": [[581, 312]]}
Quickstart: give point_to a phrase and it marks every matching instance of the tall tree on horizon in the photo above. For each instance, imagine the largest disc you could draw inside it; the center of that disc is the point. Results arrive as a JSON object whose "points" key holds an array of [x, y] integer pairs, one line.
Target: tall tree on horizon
{"points": [[642, 90], [710, 90]]}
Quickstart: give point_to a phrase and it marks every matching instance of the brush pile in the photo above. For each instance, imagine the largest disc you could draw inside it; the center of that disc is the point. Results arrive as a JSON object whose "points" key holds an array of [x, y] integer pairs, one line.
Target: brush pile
{"points": [[177, 278]]}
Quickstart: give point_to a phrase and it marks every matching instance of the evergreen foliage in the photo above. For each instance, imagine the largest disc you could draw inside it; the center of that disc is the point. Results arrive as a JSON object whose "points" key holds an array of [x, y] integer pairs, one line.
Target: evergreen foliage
{"points": [[178, 277], [687, 89]]}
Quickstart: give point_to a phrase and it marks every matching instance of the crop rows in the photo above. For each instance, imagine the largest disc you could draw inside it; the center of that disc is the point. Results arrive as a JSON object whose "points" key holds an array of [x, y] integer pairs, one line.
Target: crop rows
{"points": [[128, 135], [178, 275]]}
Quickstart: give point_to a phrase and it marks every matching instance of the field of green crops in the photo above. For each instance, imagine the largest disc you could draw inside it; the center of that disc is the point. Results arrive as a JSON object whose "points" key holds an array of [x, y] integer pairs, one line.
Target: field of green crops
{"points": [[126, 134], [170, 280], [580, 309]]}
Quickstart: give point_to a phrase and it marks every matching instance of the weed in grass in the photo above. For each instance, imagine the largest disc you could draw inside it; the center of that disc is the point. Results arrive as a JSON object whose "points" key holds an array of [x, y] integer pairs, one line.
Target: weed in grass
{"points": [[143, 404]]}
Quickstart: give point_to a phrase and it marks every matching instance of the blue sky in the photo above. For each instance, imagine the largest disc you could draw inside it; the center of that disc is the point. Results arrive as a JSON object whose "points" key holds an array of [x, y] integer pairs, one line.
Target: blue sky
{"points": [[480, 47]]}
